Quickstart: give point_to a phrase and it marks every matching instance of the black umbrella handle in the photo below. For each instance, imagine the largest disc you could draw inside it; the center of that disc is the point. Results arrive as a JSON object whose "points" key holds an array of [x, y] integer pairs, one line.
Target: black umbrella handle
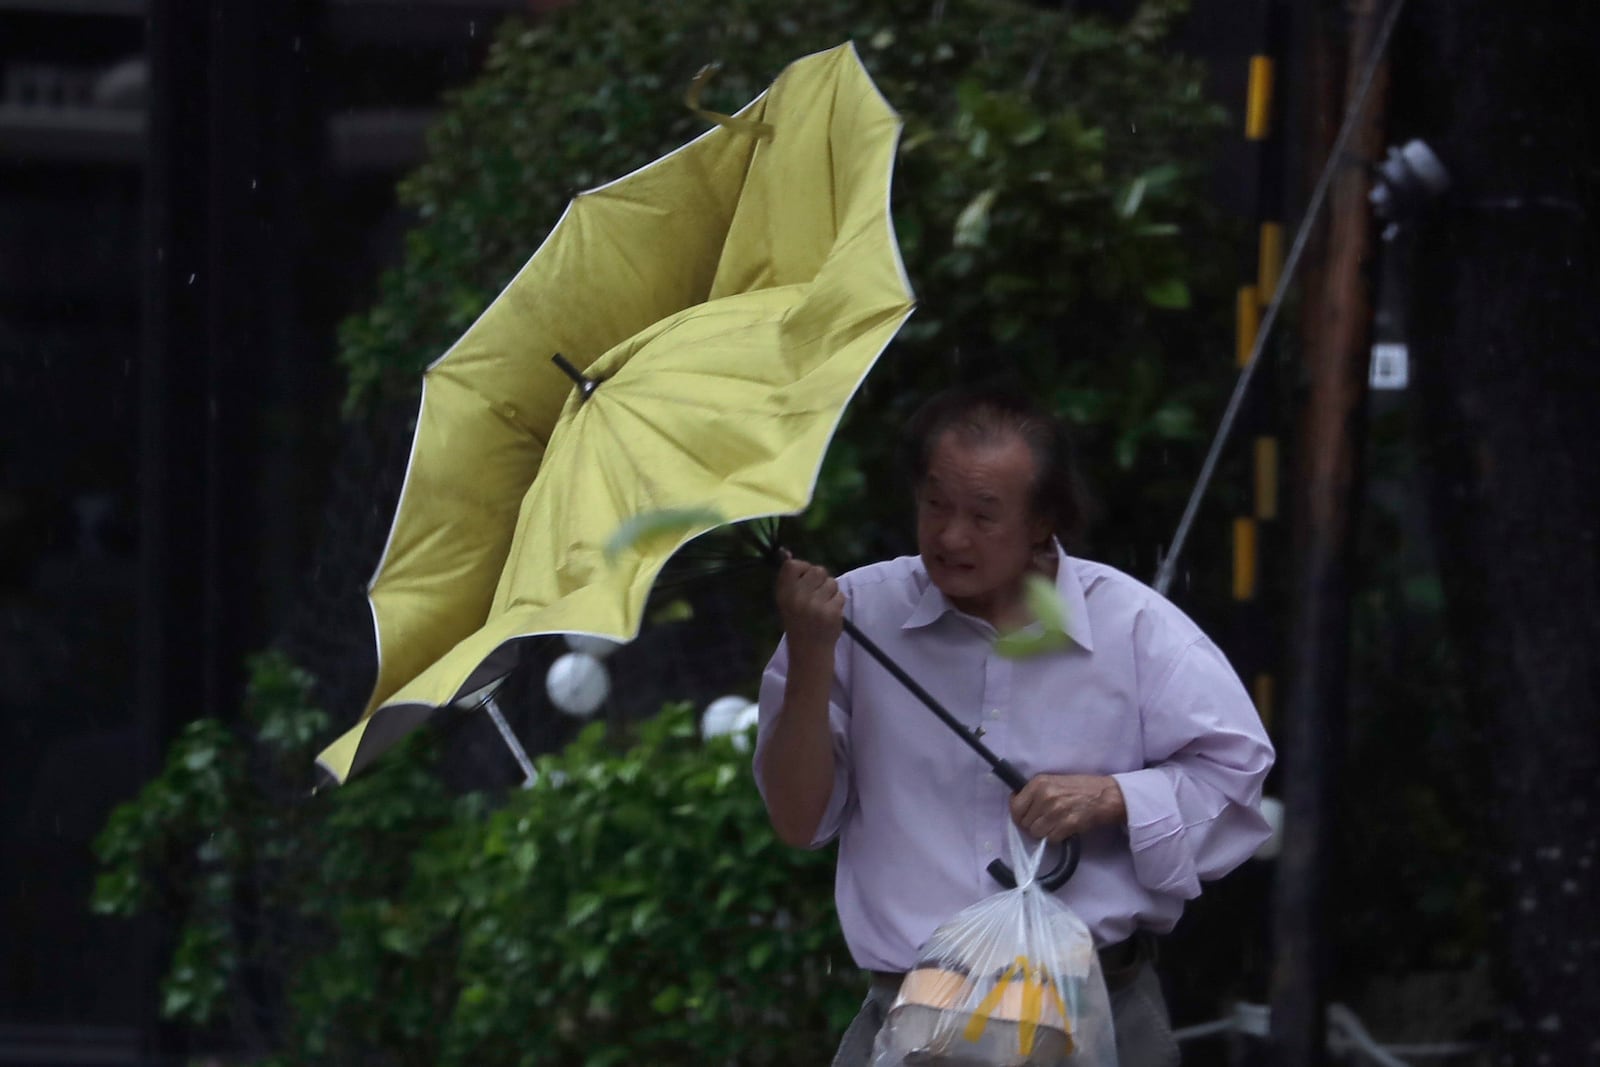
{"points": [[1051, 880]]}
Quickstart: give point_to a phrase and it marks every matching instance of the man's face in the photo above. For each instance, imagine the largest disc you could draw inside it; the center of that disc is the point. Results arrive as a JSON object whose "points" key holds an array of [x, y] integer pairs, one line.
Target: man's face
{"points": [[976, 528]]}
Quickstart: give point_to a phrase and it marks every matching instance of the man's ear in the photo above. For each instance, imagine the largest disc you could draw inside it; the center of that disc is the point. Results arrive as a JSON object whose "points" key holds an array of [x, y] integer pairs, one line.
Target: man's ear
{"points": [[1040, 533]]}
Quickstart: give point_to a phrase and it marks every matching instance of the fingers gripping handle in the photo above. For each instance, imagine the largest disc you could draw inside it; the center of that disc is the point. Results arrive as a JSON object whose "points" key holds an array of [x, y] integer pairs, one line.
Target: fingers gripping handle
{"points": [[1052, 879]]}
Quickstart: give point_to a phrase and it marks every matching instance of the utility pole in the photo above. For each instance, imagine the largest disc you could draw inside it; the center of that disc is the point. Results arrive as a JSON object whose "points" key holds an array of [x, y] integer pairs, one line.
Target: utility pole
{"points": [[1505, 337], [1336, 334]]}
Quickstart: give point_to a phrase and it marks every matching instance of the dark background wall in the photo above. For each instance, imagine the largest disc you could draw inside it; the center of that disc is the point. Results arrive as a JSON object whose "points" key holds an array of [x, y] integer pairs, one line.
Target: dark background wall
{"points": [[175, 253]]}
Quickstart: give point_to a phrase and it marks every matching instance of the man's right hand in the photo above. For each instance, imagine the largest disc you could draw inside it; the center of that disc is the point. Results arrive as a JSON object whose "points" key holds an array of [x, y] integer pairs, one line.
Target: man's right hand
{"points": [[800, 784], [811, 605]]}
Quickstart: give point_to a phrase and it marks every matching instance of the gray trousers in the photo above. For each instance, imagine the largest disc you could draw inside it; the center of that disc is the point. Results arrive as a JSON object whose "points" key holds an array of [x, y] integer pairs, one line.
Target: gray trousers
{"points": [[1138, 1016]]}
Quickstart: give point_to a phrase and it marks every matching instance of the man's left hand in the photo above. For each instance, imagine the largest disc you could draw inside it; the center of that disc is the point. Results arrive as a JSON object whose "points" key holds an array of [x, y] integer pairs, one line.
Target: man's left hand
{"points": [[1058, 806]]}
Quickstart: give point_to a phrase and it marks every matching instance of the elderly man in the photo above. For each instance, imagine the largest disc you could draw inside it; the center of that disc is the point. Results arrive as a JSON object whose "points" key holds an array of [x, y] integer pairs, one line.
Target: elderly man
{"points": [[1136, 737]]}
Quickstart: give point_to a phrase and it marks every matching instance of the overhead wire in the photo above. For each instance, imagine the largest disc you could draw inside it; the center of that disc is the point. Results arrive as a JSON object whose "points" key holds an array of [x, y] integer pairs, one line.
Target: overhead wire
{"points": [[1169, 561]]}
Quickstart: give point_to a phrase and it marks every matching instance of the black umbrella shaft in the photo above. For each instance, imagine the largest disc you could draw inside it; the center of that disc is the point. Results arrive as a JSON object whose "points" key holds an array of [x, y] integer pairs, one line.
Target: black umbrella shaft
{"points": [[1003, 770]]}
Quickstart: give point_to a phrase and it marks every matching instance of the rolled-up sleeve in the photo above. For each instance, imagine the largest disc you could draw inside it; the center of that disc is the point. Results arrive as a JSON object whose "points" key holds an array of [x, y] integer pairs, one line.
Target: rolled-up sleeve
{"points": [[772, 684], [1194, 810]]}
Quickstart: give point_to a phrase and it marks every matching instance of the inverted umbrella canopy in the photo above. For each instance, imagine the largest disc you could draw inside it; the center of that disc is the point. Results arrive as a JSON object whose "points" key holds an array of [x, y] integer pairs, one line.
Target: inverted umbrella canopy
{"points": [[727, 299]]}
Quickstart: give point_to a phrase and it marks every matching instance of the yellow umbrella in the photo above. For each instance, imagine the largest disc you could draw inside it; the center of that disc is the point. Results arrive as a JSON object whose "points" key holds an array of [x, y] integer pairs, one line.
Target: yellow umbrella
{"points": [[728, 299]]}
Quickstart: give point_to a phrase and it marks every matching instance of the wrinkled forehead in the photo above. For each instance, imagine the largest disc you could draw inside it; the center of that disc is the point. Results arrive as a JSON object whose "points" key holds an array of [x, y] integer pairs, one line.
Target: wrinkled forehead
{"points": [[995, 467]]}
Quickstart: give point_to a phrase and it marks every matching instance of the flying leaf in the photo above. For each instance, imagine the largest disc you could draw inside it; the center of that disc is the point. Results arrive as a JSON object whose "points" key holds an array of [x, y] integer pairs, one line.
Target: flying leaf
{"points": [[679, 610], [660, 525], [1049, 634], [972, 226], [1024, 644], [1045, 603], [1131, 199]]}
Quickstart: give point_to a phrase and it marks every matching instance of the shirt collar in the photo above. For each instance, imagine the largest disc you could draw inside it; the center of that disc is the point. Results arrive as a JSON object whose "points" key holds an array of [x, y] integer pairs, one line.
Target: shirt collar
{"points": [[932, 605]]}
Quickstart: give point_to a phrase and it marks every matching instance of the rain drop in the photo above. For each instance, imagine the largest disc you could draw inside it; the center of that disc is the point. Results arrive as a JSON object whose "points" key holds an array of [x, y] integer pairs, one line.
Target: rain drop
{"points": [[192, 278], [472, 28]]}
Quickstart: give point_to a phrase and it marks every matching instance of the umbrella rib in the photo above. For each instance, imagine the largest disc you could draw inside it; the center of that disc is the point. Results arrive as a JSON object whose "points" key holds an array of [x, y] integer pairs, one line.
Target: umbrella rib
{"points": [[586, 455], [615, 490], [718, 476], [715, 376], [682, 401], [625, 507]]}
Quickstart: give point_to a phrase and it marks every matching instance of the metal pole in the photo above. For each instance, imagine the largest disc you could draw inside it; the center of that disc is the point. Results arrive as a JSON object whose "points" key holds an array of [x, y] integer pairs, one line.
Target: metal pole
{"points": [[1337, 329], [529, 774]]}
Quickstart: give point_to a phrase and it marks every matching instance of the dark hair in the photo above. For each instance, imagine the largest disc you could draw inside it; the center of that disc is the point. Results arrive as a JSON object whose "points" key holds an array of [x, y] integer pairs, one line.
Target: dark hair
{"points": [[986, 414]]}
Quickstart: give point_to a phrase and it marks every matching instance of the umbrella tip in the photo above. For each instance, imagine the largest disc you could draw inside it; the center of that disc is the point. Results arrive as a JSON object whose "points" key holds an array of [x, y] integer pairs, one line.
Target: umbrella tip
{"points": [[585, 384]]}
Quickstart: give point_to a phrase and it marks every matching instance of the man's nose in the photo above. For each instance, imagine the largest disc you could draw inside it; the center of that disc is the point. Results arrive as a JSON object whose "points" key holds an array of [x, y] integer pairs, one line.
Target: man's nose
{"points": [[954, 534]]}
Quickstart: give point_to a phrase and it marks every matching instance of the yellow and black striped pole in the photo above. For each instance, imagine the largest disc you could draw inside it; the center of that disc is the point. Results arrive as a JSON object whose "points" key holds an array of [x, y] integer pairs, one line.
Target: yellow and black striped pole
{"points": [[1255, 531]]}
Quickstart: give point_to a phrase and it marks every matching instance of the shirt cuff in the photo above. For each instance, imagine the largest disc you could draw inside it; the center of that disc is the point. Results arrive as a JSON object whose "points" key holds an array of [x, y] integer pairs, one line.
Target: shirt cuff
{"points": [[1161, 859]]}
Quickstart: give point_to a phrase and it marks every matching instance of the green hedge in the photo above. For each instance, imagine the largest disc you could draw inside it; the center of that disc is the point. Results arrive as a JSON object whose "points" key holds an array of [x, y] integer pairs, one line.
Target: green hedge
{"points": [[632, 906]]}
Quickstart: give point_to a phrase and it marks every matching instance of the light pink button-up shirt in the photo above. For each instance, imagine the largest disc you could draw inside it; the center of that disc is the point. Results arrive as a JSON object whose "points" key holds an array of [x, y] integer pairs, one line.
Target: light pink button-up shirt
{"points": [[1140, 694]]}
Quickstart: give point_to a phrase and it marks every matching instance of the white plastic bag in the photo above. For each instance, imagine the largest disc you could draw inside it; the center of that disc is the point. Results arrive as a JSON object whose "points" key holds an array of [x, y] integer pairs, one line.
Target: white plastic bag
{"points": [[1012, 981]]}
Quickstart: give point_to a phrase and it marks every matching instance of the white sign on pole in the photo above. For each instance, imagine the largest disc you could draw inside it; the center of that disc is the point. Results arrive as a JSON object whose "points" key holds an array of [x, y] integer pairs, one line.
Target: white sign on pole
{"points": [[1391, 365]]}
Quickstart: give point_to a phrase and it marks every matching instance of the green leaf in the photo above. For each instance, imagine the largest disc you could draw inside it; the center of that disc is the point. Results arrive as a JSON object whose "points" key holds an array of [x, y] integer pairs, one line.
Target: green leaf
{"points": [[668, 1001], [972, 226], [1049, 630], [663, 527], [176, 1001], [676, 610], [1162, 176], [1132, 197], [1174, 422], [1171, 293], [1044, 600], [1023, 644]]}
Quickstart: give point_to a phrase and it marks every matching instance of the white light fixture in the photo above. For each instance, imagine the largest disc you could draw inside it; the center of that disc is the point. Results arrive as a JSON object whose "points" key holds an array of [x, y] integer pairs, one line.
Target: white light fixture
{"points": [[578, 684], [720, 715], [743, 724]]}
